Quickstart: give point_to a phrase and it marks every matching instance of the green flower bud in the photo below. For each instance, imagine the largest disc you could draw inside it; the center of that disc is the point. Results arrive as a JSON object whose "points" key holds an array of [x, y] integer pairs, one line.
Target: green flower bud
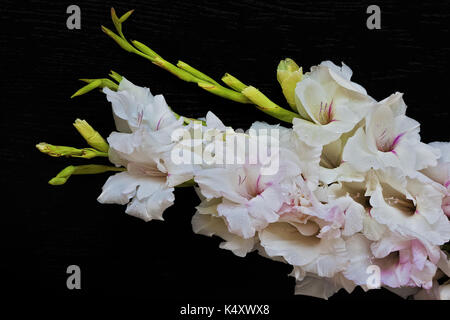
{"points": [[114, 75], [92, 137], [264, 104], [98, 83], [120, 41], [146, 50], [63, 151], [233, 83], [67, 172], [123, 18]]}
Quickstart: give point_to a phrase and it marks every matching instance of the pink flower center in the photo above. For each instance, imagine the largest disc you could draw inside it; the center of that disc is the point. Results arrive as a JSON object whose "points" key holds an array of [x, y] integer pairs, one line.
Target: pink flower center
{"points": [[326, 113]]}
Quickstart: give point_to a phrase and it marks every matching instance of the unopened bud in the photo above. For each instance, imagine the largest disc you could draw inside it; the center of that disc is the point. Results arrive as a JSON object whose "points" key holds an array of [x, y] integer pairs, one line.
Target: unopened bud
{"points": [[288, 75], [92, 137], [67, 172]]}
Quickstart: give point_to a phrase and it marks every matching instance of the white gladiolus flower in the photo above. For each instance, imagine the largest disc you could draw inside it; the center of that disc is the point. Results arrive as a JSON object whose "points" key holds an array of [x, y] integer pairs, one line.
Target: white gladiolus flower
{"points": [[356, 197], [144, 182], [305, 157], [135, 107], [329, 103], [441, 172], [332, 167], [389, 139], [144, 149], [410, 207], [321, 256], [405, 261], [150, 177], [250, 200], [347, 196]]}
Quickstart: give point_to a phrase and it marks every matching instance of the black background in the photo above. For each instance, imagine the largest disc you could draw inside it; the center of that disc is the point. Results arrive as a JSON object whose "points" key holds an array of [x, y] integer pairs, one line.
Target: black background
{"points": [[45, 228]]}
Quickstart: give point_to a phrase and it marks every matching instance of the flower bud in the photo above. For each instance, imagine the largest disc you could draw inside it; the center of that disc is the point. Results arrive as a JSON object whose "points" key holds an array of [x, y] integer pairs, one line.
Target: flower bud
{"points": [[64, 151], [57, 151], [121, 42], [288, 74], [67, 172], [92, 137]]}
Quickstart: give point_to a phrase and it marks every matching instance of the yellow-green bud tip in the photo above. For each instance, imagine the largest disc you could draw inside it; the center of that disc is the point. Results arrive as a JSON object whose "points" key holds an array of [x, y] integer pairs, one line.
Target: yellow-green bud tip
{"points": [[288, 75], [92, 137], [57, 181], [43, 147]]}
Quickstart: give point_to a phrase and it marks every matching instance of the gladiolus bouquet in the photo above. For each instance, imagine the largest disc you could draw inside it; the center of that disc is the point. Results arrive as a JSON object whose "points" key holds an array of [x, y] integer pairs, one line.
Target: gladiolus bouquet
{"points": [[344, 191]]}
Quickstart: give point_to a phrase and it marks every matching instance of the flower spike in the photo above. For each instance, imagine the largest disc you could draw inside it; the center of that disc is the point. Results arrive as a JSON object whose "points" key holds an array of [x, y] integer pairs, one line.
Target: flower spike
{"points": [[187, 73], [182, 70]]}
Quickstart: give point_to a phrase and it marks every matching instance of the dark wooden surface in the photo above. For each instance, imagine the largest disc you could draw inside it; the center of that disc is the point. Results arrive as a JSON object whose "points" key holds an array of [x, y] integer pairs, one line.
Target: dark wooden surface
{"points": [[44, 229]]}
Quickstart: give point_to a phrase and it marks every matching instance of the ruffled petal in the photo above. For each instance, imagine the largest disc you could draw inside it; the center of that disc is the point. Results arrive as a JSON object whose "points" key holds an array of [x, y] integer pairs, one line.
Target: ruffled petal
{"points": [[209, 225]]}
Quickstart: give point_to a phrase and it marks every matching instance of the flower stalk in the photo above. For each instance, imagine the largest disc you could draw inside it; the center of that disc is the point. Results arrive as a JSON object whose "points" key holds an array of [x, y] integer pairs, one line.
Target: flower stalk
{"points": [[189, 74]]}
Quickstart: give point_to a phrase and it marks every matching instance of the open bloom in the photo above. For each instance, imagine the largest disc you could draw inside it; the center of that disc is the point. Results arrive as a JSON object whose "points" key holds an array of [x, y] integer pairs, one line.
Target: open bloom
{"points": [[150, 177], [301, 248], [143, 147], [303, 235], [250, 200], [405, 261], [411, 207], [304, 157], [332, 166], [329, 104], [389, 139], [135, 107], [441, 172]]}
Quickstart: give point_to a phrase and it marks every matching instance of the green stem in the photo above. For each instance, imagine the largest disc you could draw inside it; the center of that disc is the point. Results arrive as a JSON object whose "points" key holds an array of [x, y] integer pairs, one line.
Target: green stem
{"points": [[240, 93]]}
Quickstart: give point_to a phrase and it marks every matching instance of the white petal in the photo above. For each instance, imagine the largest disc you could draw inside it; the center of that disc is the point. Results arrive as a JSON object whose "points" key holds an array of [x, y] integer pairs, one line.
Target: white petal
{"points": [[322, 287], [219, 182], [319, 135], [153, 206], [119, 188], [209, 225], [238, 219], [282, 239], [212, 121]]}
